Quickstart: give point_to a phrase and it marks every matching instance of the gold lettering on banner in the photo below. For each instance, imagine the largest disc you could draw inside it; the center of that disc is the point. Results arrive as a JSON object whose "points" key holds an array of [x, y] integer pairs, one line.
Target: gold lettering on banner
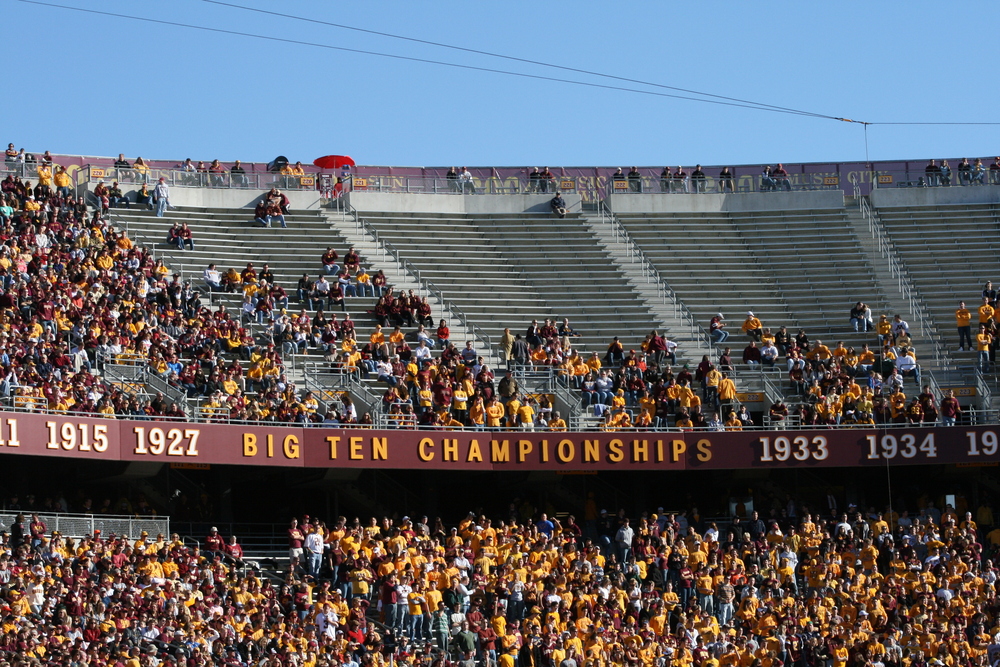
{"points": [[290, 447], [566, 451], [157, 441], [615, 453], [354, 448], [500, 451], [640, 451], [545, 451], [524, 448], [678, 447], [270, 446], [64, 436], [450, 449], [334, 440], [659, 451], [591, 450], [475, 454], [704, 448], [380, 449], [422, 452], [12, 440]]}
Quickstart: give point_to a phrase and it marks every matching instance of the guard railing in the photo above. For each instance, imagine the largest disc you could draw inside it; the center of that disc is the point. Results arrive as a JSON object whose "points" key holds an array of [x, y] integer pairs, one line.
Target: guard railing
{"points": [[81, 525]]}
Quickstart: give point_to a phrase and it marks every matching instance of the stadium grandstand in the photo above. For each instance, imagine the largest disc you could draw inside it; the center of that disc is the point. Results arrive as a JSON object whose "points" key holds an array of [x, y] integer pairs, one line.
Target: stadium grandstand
{"points": [[725, 418]]}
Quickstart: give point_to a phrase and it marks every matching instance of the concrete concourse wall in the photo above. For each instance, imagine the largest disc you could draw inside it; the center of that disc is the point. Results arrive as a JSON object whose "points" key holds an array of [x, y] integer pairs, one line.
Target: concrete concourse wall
{"points": [[744, 202], [225, 198], [401, 202], [939, 196]]}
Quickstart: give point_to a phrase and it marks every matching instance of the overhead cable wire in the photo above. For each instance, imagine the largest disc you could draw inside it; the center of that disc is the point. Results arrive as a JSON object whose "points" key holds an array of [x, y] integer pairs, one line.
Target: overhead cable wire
{"points": [[518, 59], [539, 77]]}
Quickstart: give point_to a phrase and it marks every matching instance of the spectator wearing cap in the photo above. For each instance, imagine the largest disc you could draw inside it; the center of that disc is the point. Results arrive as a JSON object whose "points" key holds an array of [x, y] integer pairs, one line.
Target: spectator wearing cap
{"points": [[214, 543], [752, 327], [716, 330], [558, 205]]}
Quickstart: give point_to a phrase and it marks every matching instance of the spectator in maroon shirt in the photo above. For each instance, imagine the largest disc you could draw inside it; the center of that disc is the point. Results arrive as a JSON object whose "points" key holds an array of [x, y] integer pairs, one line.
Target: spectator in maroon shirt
{"points": [[37, 530], [214, 542], [234, 550], [950, 408]]}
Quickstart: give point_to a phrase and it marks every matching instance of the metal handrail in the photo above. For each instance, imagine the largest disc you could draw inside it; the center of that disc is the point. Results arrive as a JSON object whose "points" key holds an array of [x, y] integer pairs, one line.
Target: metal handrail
{"points": [[887, 249], [919, 177], [981, 416], [226, 180], [983, 390], [77, 525], [650, 272], [347, 382]]}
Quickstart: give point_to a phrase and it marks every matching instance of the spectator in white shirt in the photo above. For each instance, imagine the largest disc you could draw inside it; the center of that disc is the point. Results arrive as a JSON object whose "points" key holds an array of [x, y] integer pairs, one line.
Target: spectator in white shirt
{"points": [[212, 278]]}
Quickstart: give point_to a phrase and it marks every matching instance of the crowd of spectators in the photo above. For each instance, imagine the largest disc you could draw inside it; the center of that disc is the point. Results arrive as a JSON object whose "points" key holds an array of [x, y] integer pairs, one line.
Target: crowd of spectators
{"points": [[986, 337], [975, 173], [795, 588], [75, 293]]}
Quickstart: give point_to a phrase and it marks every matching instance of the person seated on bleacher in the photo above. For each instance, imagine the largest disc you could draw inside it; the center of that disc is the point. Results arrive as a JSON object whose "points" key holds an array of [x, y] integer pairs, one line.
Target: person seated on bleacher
{"points": [[780, 177], [274, 214], [189, 172], [380, 285], [277, 196], [141, 169], [182, 236], [733, 422], [751, 354], [665, 178], [995, 171], [634, 180], [116, 197], [346, 284], [144, 196], [238, 175], [978, 173], [820, 356], [216, 171], [726, 180], [752, 327], [964, 172], [716, 330], [767, 182], [679, 184], [769, 354], [698, 179], [884, 329], [329, 261], [899, 327], [907, 365], [122, 164], [291, 174], [945, 173], [558, 205], [260, 213], [932, 173]]}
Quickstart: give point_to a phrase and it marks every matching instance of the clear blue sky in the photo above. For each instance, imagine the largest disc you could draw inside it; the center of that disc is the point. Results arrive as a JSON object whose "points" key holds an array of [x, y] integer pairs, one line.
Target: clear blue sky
{"points": [[99, 85]]}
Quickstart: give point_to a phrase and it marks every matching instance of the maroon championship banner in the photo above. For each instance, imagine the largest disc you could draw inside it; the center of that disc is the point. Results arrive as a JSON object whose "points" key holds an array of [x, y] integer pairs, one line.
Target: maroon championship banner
{"points": [[196, 443]]}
